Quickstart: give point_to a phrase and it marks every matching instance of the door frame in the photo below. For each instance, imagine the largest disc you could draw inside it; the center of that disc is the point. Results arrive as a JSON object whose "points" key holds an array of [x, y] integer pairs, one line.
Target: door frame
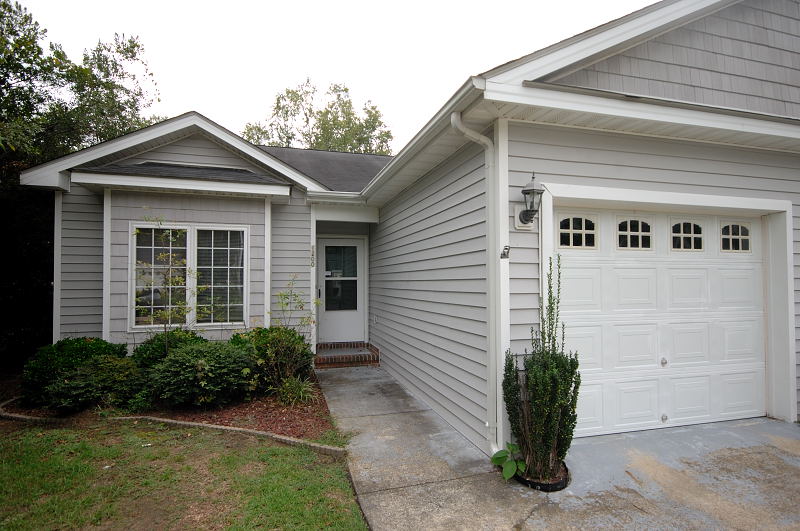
{"points": [[365, 283], [781, 368]]}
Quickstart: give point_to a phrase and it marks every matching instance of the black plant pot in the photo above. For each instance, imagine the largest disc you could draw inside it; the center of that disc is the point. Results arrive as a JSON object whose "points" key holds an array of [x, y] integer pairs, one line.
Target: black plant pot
{"points": [[546, 486]]}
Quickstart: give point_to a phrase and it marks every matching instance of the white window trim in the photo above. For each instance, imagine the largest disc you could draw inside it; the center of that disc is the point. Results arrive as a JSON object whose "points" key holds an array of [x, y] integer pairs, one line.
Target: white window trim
{"points": [[191, 280], [640, 219], [749, 237], [702, 235], [584, 231]]}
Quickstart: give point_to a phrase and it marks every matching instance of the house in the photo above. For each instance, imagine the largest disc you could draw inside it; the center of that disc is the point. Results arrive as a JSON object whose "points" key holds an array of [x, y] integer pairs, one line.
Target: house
{"points": [[666, 145]]}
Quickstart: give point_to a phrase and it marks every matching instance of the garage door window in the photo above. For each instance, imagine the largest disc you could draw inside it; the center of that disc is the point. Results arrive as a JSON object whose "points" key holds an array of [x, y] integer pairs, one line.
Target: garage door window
{"points": [[736, 238], [576, 232], [687, 236], [633, 234]]}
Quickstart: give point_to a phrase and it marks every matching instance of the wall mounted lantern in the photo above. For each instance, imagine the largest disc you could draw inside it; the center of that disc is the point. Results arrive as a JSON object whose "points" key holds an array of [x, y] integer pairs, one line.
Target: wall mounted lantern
{"points": [[533, 200]]}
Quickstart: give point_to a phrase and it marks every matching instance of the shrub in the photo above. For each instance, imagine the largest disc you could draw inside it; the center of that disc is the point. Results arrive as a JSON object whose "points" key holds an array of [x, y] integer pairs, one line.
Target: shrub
{"points": [[293, 390], [155, 349], [203, 374], [52, 362], [542, 395], [107, 380], [280, 353]]}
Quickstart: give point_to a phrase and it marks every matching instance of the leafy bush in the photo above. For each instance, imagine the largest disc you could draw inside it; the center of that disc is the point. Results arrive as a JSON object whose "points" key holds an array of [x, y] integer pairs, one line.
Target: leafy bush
{"points": [[203, 374], [293, 390], [155, 349], [53, 362], [107, 380], [542, 395], [280, 353]]}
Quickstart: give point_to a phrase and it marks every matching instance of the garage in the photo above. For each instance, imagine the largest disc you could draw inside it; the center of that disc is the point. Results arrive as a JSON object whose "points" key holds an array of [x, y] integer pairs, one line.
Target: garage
{"points": [[666, 311]]}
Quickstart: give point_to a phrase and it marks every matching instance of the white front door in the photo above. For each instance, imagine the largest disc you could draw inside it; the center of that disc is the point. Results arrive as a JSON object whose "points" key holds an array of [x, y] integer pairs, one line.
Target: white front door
{"points": [[666, 312], [340, 289]]}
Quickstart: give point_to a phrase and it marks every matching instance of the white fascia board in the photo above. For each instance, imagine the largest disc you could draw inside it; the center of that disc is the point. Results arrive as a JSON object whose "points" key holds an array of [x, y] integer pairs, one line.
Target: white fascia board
{"points": [[49, 175], [345, 198], [179, 185], [349, 213], [557, 99], [603, 40]]}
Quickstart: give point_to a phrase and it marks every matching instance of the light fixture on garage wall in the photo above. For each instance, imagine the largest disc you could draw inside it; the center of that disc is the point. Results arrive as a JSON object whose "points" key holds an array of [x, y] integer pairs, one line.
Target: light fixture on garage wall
{"points": [[533, 200]]}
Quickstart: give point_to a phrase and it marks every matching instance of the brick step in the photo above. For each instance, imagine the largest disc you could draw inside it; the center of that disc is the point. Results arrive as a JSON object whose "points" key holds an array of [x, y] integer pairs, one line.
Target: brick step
{"points": [[335, 355]]}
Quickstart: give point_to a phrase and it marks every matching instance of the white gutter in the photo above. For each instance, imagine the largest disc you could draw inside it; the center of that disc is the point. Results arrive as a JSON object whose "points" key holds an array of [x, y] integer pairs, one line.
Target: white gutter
{"points": [[493, 258], [330, 196]]}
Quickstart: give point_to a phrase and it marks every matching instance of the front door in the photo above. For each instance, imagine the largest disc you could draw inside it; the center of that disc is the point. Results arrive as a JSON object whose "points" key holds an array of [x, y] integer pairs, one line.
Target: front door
{"points": [[340, 289]]}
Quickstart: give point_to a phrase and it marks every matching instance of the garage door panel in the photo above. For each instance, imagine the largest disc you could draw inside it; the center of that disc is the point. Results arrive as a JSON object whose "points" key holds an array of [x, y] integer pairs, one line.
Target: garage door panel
{"points": [[665, 336]]}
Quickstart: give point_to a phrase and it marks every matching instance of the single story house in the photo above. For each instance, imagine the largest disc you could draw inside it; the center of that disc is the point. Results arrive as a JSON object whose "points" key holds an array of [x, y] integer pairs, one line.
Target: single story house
{"points": [[666, 145]]}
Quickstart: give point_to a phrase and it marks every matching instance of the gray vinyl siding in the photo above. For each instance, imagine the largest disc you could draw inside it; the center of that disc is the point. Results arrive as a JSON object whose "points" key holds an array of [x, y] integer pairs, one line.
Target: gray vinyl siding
{"points": [[127, 207], [427, 291], [746, 56], [291, 251], [81, 263], [197, 150], [597, 159]]}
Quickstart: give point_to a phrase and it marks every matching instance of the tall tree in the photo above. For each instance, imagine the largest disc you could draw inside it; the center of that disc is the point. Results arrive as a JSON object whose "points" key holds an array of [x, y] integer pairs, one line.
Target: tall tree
{"points": [[51, 106], [297, 121]]}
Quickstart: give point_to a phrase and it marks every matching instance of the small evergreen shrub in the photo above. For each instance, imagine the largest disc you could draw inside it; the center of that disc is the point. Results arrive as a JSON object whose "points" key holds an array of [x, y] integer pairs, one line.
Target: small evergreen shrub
{"points": [[155, 349], [541, 393], [294, 390], [106, 380], [52, 362], [280, 353], [203, 374]]}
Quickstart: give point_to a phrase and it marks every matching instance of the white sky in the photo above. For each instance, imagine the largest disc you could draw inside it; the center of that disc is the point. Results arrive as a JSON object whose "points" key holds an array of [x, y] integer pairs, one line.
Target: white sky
{"points": [[228, 59]]}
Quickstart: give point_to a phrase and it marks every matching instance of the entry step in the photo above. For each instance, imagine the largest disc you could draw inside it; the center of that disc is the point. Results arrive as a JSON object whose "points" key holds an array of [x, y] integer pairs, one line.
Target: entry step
{"points": [[346, 354]]}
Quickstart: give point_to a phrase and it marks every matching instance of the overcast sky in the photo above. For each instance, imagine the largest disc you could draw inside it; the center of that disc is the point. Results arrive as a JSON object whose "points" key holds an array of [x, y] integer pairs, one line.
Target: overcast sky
{"points": [[228, 59]]}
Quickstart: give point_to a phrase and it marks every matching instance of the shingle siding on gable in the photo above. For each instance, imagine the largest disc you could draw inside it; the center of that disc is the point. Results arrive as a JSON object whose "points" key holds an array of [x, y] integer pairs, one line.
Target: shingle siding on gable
{"points": [[746, 57], [427, 289]]}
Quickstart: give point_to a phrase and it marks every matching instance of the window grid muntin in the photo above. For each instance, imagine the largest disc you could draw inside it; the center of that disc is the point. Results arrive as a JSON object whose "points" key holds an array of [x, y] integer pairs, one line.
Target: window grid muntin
{"points": [[577, 232], [686, 236], [735, 238], [166, 248], [637, 233], [220, 276]]}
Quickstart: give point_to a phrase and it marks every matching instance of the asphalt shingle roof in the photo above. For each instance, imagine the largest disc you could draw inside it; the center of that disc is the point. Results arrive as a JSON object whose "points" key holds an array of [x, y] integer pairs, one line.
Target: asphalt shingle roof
{"points": [[208, 173], [343, 172]]}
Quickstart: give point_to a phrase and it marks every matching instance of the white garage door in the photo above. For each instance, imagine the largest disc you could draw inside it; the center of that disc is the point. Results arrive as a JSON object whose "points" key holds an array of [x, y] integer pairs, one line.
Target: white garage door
{"points": [[666, 312]]}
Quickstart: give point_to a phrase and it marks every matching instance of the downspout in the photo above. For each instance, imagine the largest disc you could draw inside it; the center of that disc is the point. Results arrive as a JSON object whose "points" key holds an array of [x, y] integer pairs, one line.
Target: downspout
{"points": [[493, 257]]}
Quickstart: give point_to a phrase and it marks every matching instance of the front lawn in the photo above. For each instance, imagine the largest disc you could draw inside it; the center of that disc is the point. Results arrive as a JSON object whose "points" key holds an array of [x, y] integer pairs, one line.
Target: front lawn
{"points": [[151, 476]]}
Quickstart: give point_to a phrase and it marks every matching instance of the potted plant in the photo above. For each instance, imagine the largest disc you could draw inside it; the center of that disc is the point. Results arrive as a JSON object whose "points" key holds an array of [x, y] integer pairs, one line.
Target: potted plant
{"points": [[540, 389]]}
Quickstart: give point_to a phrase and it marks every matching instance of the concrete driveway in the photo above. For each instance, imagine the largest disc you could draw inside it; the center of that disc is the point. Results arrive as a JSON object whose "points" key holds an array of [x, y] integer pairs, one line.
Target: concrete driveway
{"points": [[412, 470]]}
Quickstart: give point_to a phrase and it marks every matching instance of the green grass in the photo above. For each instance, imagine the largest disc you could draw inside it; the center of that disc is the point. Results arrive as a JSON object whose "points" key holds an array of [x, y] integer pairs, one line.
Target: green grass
{"points": [[117, 475], [334, 437]]}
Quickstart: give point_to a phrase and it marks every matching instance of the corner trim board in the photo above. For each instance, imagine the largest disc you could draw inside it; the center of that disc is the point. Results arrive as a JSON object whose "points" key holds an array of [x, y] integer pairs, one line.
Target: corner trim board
{"points": [[58, 213], [267, 261], [107, 264]]}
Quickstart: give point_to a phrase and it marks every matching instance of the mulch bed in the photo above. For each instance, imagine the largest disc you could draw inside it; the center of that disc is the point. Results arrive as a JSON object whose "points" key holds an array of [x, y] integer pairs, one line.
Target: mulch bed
{"points": [[302, 421]]}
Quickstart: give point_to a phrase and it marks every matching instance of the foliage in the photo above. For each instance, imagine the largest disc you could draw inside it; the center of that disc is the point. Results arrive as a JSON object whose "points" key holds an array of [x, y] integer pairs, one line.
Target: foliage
{"points": [[156, 348], [292, 312], [106, 380], [507, 460], [203, 374], [294, 390], [280, 353], [297, 121], [51, 106], [53, 362], [541, 396]]}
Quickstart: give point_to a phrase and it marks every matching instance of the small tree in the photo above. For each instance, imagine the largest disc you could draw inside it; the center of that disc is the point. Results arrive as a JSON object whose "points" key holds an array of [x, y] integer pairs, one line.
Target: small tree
{"points": [[541, 395], [292, 311]]}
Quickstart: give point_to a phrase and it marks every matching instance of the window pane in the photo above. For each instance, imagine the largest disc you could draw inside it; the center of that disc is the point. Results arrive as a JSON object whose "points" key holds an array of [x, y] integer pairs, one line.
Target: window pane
{"points": [[204, 276], [590, 240], [161, 256], [204, 238], [220, 257], [220, 238], [144, 237], [564, 223], [687, 228], [235, 295], [646, 242], [341, 261], [676, 242], [178, 238], [687, 242], [340, 295], [623, 240], [735, 230], [577, 223], [623, 227], [726, 230], [697, 229], [161, 237], [744, 231], [698, 243], [203, 257], [577, 240], [726, 244], [236, 313], [745, 245], [564, 238], [236, 276], [144, 255], [735, 243], [220, 276], [236, 257], [204, 296], [634, 225], [645, 226], [634, 240], [237, 239], [589, 224], [676, 229]]}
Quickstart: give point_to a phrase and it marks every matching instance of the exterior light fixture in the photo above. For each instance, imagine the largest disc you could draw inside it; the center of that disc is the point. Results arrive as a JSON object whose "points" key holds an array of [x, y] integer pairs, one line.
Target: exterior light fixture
{"points": [[533, 199]]}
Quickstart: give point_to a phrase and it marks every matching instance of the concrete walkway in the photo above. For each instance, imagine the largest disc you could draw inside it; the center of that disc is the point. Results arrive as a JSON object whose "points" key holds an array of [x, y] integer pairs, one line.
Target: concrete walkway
{"points": [[412, 470]]}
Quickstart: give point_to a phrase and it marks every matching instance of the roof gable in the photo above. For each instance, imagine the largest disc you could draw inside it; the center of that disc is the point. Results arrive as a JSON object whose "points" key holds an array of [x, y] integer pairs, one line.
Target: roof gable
{"points": [[55, 174]]}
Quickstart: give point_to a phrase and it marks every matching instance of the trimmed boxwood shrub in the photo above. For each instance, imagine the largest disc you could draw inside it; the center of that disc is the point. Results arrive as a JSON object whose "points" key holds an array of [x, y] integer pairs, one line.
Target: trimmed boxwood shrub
{"points": [[52, 362], [155, 349], [280, 353], [106, 380], [203, 374]]}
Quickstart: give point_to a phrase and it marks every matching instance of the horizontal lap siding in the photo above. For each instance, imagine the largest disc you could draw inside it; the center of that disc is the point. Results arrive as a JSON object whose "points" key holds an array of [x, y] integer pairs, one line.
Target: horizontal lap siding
{"points": [[291, 253], [197, 150], [746, 56], [427, 289], [597, 159], [178, 208], [81, 263]]}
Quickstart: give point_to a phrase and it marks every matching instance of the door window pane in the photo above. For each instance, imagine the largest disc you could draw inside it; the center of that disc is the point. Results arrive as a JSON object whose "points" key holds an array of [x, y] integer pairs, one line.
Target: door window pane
{"points": [[341, 295], [340, 261]]}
